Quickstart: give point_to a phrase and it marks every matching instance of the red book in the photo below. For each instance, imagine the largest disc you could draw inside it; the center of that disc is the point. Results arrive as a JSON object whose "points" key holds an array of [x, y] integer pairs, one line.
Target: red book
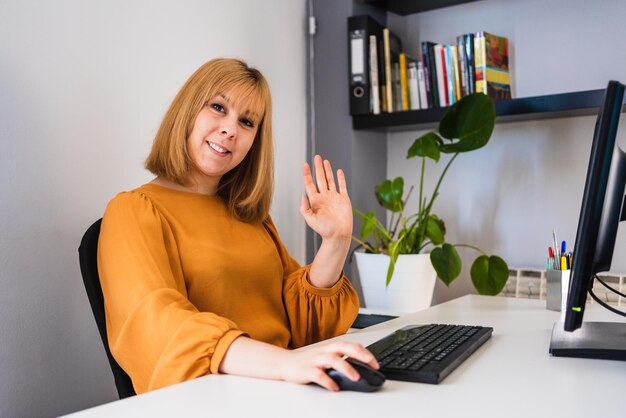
{"points": [[444, 70]]}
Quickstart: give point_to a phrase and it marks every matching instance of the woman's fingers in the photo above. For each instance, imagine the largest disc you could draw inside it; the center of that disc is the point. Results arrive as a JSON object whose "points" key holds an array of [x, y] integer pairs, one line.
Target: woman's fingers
{"points": [[322, 379], [341, 180], [330, 178], [320, 174], [324, 177], [346, 369], [309, 186], [356, 351]]}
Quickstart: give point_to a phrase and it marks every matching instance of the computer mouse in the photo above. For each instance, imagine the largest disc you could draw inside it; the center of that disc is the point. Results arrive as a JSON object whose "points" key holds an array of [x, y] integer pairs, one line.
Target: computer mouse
{"points": [[371, 379]]}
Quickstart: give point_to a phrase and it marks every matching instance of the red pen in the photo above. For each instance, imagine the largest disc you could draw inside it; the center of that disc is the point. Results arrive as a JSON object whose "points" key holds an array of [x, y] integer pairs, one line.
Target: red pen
{"points": [[551, 258]]}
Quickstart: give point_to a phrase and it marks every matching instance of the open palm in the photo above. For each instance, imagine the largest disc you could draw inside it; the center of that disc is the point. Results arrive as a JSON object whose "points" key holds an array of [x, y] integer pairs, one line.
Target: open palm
{"points": [[328, 210]]}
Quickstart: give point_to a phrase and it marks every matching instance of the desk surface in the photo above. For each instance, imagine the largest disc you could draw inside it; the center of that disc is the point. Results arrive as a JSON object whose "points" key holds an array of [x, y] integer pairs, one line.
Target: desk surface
{"points": [[511, 375]]}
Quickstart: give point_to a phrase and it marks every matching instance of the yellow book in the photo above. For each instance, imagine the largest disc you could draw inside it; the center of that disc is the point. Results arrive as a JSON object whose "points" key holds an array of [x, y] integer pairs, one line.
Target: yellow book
{"points": [[392, 45], [480, 63], [456, 73], [404, 84], [491, 53]]}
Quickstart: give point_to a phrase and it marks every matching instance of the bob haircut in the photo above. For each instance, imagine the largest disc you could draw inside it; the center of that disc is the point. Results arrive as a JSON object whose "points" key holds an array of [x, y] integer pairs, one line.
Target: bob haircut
{"points": [[247, 189]]}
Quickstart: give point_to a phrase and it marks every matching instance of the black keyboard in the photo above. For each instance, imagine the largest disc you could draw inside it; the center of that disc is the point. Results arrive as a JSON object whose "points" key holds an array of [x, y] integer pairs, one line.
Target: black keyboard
{"points": [[427, 353]]}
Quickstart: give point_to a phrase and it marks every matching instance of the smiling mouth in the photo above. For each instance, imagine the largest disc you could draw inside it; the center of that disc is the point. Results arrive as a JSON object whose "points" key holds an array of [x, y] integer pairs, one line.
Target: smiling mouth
{"points": [[217, 148]]}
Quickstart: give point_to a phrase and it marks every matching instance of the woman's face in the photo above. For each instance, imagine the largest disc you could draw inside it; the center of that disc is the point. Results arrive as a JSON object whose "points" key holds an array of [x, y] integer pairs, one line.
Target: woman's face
{"points": [[222, 135]]}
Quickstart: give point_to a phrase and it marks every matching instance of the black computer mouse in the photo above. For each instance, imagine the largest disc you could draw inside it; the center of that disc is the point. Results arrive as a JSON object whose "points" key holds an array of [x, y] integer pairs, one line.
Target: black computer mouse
{"points": [[371, 379]]}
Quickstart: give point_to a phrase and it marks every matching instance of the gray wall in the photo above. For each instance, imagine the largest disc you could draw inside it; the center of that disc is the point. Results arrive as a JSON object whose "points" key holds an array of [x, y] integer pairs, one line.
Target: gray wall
{"points": [[361, 154], [507, 197], [83, 88]]}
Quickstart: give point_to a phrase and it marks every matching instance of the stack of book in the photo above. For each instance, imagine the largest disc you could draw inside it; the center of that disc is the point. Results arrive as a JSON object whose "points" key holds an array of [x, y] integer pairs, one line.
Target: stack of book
{"points": [[384, 78]]}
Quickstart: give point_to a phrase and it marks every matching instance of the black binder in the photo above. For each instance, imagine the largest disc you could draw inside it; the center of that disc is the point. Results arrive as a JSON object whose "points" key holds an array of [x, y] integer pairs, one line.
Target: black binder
{"points": [[359, 30]]}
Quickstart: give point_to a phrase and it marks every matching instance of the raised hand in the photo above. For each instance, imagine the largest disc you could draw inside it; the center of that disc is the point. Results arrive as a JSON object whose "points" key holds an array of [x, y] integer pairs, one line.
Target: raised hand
{"points": [[328, 210]]}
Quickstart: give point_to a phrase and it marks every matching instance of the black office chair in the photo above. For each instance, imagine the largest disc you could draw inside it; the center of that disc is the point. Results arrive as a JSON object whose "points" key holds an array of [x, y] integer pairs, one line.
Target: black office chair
{"points": [[88, 256]]}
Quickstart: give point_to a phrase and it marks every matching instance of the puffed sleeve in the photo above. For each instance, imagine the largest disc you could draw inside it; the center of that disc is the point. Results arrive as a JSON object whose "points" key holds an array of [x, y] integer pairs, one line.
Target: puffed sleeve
{"points": [[156, 335], [315, 314]]}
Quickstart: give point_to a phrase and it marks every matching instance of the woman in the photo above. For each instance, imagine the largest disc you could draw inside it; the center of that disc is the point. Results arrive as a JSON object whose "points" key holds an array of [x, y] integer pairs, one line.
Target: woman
{"points": [[194, 276]]}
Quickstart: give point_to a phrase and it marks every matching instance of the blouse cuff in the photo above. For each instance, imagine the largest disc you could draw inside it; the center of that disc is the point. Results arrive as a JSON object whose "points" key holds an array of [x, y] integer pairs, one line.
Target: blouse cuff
{"points": [[220, 349], [322, 291]]}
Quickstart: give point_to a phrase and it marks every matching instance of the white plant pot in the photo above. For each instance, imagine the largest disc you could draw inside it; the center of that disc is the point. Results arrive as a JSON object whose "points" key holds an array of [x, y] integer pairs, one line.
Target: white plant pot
{"points": [[411, 287]]}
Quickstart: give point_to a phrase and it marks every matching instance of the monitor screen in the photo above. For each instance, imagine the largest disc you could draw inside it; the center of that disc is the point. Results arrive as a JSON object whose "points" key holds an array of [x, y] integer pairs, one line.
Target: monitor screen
{"points": [[600, 214], [601, 206]]}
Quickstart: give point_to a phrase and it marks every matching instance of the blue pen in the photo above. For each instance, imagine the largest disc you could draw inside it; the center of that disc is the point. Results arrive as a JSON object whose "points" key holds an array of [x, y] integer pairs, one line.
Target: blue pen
{"points": [[563, 247]]}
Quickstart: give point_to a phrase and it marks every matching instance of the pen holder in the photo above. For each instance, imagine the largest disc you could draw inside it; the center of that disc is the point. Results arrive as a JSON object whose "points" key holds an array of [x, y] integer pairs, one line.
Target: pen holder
{"points": [[556, 289]]}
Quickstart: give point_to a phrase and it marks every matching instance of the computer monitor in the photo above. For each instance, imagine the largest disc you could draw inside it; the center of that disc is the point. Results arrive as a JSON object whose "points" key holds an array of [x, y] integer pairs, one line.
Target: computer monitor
{"points": [[600, 214]]}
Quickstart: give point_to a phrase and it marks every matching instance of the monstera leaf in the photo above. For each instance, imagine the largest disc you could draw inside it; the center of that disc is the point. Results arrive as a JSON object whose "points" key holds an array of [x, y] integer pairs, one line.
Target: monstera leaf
{"points": [[446, 262], [426, 145], [468, 124], [489, 274], [436, 230], [389, 194]]}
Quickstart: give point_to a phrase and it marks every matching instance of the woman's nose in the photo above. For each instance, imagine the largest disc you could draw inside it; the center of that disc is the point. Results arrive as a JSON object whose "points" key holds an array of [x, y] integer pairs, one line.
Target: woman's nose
{"points": [[228, 128]]}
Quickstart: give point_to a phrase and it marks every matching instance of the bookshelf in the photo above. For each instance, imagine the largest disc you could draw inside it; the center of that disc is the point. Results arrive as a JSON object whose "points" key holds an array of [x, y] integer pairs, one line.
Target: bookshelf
{"points": [[569, 104], [551, 106], [408, 7]]}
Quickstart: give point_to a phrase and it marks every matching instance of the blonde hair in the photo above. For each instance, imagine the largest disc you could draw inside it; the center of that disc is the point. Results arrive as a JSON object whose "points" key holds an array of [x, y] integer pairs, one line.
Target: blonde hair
{"points": [[247, 188]]}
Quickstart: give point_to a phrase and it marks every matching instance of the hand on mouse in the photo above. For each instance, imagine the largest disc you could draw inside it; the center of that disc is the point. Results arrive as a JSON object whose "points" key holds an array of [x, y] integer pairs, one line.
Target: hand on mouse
{"points": [[310, 365]]}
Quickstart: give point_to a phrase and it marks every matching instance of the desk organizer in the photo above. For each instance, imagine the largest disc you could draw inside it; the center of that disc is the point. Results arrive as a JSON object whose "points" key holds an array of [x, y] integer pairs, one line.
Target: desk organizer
{"points": [[557, 285], [531, 283]]}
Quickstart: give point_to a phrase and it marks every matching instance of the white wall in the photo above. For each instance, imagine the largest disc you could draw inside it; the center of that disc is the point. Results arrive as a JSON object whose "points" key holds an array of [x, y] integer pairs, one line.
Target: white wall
{"points": [[507, 197], [83, 86]]}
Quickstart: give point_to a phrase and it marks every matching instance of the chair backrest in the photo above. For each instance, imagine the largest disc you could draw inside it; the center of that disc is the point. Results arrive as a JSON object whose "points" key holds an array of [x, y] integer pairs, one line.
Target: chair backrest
{"points": [[88, 257]]}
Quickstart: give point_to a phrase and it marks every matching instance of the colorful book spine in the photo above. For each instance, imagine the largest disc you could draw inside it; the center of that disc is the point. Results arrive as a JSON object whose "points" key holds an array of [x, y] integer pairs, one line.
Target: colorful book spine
{"points": [[497, 77], [449, 74], [456, 73], [388, 77], [404, 82], [375, 88], [480, 62], [462, 64], [382, 75], [491, 56], [430, 71], [414, 99], [440, 71], [422, 79], [392, 48], [397, 88], [468, 40]]}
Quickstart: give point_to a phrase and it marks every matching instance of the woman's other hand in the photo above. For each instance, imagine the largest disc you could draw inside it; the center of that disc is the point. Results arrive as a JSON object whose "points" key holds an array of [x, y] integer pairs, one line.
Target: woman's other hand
{"points": [[309, 365], [328, 210]]}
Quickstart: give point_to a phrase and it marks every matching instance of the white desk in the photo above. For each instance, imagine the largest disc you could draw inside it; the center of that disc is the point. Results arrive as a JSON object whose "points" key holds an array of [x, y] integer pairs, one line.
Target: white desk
{"points": [[511, 375]]}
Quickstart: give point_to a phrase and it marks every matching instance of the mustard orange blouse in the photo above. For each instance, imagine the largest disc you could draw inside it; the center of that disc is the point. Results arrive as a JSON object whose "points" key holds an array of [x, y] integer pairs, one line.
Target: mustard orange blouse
{"points": [[182, 279]]}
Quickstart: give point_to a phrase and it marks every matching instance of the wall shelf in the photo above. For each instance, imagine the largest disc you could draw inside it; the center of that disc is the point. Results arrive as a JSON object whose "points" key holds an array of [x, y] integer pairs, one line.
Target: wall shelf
{"points": [[551, 106], [407, 7]]}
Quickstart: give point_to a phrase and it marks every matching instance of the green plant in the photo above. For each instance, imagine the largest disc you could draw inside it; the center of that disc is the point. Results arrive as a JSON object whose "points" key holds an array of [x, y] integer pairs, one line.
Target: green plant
{"points": [[466, 126]]}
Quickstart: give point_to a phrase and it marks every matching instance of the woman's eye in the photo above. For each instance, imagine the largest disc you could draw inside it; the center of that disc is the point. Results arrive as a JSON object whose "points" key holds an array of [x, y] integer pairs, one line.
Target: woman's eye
{"points": [[218, 107], [247, 122]]}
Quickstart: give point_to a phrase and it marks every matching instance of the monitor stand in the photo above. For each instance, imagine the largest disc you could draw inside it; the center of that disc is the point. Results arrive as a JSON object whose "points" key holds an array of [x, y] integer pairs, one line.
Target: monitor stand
{"points": [[598, 340]]}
